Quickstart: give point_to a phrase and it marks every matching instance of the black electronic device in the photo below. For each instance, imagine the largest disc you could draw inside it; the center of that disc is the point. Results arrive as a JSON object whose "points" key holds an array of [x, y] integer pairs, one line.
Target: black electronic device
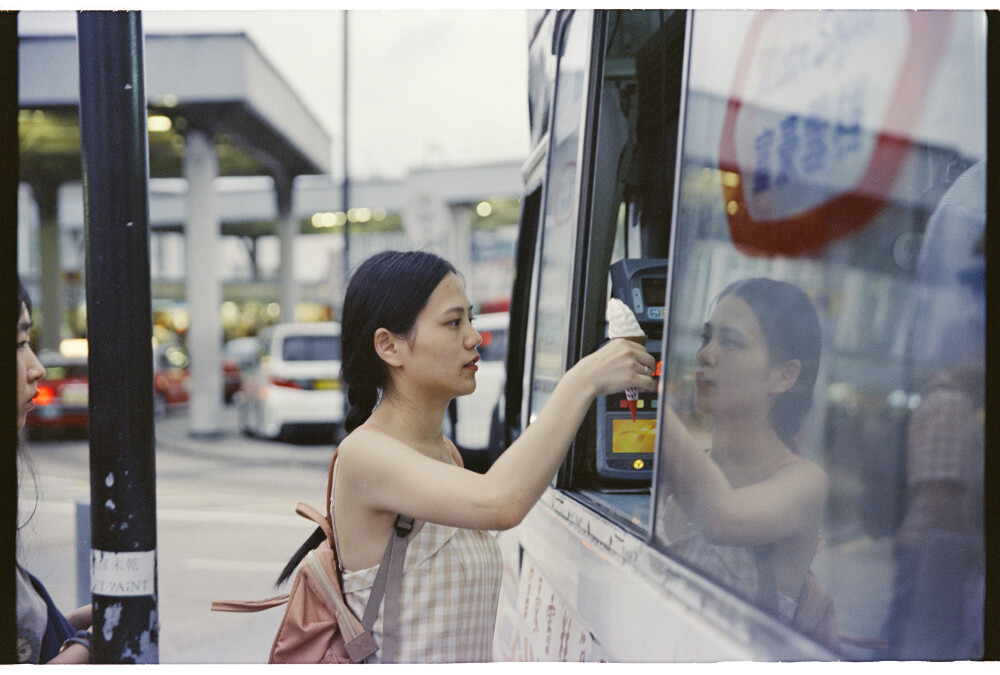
{"points": [[626, 447]]}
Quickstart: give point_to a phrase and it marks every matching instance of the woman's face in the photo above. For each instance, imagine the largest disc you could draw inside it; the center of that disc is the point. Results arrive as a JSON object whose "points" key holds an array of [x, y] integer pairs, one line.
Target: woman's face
{"points": [[29, 368], [734, 375], [441, 354]]}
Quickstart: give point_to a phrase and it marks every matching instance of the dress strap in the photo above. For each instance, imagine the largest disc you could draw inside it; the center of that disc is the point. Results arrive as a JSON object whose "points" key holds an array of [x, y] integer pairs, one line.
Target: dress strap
{"points": [[333, 524], [455, 454], [767, 584]]}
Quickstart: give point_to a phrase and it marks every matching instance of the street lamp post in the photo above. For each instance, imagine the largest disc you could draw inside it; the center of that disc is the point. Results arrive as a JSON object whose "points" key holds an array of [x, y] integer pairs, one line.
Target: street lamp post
{"points": [[345, 194]]}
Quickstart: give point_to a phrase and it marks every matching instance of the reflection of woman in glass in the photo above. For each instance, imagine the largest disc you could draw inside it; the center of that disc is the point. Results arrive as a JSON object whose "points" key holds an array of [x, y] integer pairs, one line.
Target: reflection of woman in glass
{"points": [[748, 510]]}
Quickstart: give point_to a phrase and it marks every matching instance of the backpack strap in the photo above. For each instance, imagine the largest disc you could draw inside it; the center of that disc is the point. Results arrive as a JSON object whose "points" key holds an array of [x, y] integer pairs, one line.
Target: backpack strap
{"points": [[307, 511], [767, 584], [387, 585], [248, 605], [389, 582], [389, 578]]}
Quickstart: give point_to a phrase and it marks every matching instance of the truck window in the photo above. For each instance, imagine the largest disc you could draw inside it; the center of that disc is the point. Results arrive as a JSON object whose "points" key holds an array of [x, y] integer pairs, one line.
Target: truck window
{"points": [[839, 155], [558, 235], [630, 198]]}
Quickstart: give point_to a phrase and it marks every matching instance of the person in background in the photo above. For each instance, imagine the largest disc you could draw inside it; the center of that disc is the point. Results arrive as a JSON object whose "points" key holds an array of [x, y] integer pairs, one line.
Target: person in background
{"points": [[44, 634], [409, 348], [936, 612]]}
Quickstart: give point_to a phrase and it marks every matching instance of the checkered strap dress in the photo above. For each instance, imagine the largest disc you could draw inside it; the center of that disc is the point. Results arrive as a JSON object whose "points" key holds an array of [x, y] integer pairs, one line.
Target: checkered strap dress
{"points": [[448, 603]]}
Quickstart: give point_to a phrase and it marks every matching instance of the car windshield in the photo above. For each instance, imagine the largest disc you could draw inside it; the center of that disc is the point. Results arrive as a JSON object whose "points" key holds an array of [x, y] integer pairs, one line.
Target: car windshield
{"points": [[311, 348]]}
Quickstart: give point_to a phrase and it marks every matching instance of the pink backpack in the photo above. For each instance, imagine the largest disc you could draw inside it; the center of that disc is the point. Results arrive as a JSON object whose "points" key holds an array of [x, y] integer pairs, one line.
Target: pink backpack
{"points": [[318, 626]]}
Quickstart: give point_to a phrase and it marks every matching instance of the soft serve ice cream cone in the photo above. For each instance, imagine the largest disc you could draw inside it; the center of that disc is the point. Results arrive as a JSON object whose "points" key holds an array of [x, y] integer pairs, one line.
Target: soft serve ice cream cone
{"points": [[623, 324]]}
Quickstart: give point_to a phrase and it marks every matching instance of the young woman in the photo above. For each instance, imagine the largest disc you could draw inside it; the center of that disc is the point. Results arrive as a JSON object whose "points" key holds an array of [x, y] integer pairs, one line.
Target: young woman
{"points": [[409, 348], [748, 510], [44, 634]]}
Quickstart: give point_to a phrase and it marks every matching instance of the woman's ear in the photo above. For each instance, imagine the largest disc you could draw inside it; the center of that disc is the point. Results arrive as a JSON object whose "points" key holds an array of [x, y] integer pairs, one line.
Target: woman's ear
{"points": [[784, 375], [387, 347]]}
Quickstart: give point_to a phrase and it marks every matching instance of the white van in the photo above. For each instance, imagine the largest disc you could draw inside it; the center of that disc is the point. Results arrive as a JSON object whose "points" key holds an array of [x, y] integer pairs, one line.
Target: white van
{"points": [[293, 387]]}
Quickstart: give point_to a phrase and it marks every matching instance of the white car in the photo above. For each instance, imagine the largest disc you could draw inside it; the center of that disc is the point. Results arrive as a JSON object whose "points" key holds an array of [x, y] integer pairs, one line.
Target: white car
{"points": [[475, 411], [293, 385]]}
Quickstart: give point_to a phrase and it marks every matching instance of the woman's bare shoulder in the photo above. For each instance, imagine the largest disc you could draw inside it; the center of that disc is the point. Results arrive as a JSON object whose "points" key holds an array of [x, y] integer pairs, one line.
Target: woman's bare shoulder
{"points": [[370, 446], [806, 473], [362, 438]]}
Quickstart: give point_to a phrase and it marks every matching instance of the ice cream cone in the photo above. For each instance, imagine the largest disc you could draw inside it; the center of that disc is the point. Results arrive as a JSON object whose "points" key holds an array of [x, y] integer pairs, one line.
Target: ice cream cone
{"points": [[632, 398], [632, 394], [622, 324]]}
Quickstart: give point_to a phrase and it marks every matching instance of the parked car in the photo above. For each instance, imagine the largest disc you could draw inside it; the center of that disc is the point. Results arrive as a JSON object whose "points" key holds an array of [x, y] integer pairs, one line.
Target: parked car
{"points": [[243, 351], [293, 387], [61, 404], [475, 411]]}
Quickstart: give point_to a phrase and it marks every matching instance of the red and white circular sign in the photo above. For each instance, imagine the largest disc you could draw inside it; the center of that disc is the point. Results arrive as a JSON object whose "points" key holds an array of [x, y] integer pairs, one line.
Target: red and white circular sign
{"points": [[820, 120]]}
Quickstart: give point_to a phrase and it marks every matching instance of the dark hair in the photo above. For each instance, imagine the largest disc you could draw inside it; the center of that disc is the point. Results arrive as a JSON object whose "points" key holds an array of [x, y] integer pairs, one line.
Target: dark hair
{"points": [[23, 300], [791, 329], [387, 290]]}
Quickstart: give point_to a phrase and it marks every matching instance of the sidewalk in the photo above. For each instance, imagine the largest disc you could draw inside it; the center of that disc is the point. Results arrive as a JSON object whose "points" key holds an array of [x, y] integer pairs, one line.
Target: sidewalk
{"points": [[173, 432]]}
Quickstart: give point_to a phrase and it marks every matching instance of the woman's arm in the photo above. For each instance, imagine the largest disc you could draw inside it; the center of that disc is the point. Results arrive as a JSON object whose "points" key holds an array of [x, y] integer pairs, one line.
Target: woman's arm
{"points": [[789, 502], [72, 653], [387, 475], [81, 618]]}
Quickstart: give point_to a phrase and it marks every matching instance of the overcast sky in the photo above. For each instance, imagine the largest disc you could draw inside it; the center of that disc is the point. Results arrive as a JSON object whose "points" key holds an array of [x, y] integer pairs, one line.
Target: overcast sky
{"points": [[426, 86]]}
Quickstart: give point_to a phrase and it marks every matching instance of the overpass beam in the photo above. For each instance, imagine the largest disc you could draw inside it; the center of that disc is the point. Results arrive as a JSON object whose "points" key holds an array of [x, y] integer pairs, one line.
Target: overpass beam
{"points": [[204, 285]]}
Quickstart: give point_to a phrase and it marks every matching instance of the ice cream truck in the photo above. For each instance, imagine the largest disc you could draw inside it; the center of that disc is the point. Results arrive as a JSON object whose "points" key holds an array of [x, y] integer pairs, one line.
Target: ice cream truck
{"points": [[673, 154]]}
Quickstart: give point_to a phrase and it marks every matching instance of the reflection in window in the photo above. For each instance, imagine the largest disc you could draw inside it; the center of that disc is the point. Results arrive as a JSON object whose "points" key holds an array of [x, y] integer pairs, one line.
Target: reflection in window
{"points": [[818, 151]]}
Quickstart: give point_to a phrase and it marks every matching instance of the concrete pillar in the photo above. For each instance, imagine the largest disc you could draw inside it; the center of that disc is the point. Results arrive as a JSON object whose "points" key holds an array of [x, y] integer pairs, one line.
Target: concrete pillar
{"points": [[288, 229], [50, 304], [204, 287]]}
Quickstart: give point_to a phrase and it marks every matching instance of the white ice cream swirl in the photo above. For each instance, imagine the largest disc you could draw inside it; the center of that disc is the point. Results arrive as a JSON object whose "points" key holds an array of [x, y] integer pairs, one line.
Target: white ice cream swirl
{"points": [[621, 321], [623, 324]]}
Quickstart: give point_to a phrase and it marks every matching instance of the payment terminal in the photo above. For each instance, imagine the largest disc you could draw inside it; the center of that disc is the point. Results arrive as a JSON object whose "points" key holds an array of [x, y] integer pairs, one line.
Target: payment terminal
{"points": [[625, 448]]}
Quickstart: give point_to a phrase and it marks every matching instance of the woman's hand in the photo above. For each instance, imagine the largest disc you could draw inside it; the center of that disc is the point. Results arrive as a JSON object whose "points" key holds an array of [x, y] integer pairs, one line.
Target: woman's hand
{"points": [[81, 618], [383, 475], [616, 366], [77, 651]]}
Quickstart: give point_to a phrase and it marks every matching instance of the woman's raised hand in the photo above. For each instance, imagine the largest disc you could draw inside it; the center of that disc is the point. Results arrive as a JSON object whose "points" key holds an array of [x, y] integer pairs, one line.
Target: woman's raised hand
{"points": [[618, 365]]}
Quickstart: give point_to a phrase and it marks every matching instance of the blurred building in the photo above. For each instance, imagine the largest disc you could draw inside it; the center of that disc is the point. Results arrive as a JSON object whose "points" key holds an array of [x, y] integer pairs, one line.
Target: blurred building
{"points": [[247, 227], [281, 221]]}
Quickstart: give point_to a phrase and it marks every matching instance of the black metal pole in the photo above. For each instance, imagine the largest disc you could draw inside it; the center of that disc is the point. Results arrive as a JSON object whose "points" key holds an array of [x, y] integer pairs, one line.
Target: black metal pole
{"points": [[9, 164], [345, 194], [115, 157]]}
